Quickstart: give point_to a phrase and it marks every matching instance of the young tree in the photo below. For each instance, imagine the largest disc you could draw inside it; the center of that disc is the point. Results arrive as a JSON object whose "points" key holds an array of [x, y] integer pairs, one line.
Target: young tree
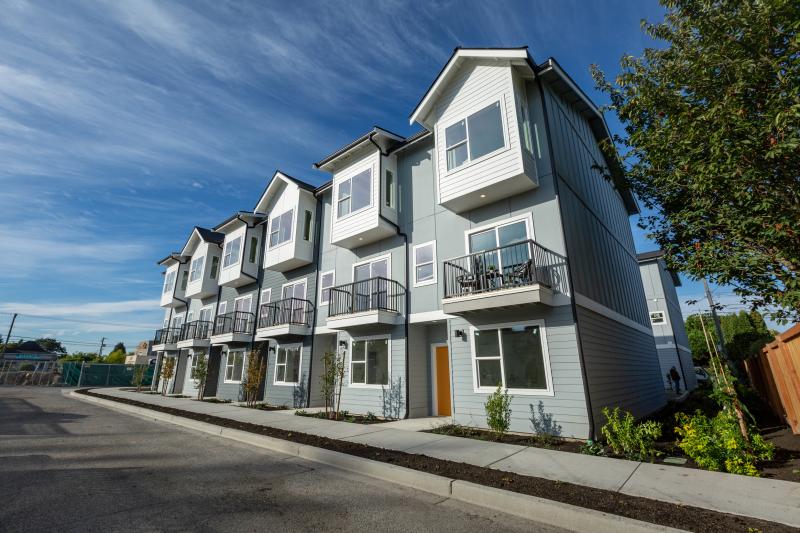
{"points": [[332, 375], [200, 373], [254, 376], [712, 123], [139, 372], [167, 371]]}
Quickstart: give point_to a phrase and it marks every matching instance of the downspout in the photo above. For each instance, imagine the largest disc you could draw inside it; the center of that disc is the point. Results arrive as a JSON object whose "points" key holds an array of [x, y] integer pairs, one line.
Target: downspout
{"points": [[260, 271], [407, 269], [573, 306], [318, 243], [248, 226]]}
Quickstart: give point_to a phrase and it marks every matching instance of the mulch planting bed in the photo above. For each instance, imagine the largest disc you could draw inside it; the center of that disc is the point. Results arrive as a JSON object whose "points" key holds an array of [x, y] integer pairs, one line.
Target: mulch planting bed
{"points": [[344, 417], [552, 443], [657, 512], [266, 407]]}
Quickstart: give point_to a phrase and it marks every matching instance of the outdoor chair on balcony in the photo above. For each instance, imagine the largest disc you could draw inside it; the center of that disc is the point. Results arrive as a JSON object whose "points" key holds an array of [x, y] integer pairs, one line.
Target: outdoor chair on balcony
{"points": [[521, 274]]}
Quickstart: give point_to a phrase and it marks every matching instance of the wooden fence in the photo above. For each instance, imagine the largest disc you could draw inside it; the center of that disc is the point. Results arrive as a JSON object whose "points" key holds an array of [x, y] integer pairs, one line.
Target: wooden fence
{"points": [[775, 373]]}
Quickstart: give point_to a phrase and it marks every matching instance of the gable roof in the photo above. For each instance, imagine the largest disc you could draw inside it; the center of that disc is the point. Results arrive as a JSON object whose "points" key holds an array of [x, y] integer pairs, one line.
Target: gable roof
{"points": [[203, 234], [272, 185], [384, 135], [174, 256], [240, 215]]}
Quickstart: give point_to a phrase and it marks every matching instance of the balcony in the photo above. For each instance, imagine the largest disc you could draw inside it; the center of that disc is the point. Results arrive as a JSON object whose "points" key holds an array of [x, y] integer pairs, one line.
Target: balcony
{"points": [[518, 274], [233, 327], [196, 334], [289, 316], [367, 302], [166, 339]]}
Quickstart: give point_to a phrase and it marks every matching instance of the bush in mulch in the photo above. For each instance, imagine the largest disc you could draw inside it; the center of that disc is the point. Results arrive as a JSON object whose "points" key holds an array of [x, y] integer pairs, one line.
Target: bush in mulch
{"points": [[265, 407], [214, 400], [344, 416], [654, 511]]}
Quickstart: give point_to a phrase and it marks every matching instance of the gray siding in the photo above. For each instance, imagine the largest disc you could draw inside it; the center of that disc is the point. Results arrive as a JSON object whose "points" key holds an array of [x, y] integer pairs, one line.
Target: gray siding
{"points": [[295, 396]]}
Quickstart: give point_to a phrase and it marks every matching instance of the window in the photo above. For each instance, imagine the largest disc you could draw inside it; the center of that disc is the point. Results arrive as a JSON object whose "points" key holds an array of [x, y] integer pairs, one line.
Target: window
{"points": [[307, 226], [195, 359], [196, 270], [369, 362], [266, 296], [214, 267], [658, 318], [205, 314], [511, 237], [280, 230], [513, 356], [230, 256], [234, 366], [326, 281], [223, 308], [354, 193], [425, 263], [479, 134], [253, 249], [287, 364], [389, 191], [184, 280], [371, 294], [243, 304], [527, 139], [169, 281], [190, 316]]}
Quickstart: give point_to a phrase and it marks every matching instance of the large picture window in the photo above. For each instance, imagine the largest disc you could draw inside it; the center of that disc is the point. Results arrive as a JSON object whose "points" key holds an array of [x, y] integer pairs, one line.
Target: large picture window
{"points": [[196, 270], [234, 366], [280, 230], [513, 356], [230, 255], [480, 134], [369, 362], [287, 364], [354, 193]]}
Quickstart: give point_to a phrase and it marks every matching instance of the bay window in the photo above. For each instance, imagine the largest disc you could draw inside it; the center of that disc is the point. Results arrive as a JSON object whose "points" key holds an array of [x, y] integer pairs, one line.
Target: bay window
{"points": [[369, 361], [354, 194], [512, 356], [287, 364], [169, 281], [230, 255], [480, 134], [280, 230]]}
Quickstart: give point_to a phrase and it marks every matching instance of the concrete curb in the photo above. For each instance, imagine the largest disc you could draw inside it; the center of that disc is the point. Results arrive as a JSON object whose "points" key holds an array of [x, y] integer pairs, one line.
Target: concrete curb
{"points": [[529, 507]]}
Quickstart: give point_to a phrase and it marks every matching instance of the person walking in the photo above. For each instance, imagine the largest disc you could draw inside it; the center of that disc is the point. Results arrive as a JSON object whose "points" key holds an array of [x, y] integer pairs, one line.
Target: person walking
{"points": [[676, 379]]}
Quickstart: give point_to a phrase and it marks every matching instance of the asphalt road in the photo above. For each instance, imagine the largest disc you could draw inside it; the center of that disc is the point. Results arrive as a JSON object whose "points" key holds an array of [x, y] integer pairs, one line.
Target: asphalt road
{"points": [[66, 465]]}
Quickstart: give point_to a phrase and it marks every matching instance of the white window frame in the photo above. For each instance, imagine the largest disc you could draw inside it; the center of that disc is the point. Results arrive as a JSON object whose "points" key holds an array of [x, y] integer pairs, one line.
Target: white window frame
{"points": [[227, 359], [350, 176], [528, 218], [198, 271], [210, 309], [474, 109], [189, 316], [222, 308], [275, 227], [322, 287], [433, 280], [304, 281], [238, 257], [388, 258], [353, 340], [246, 297], [663, 314], [170, 282], [308, 215], [266, 299], [515, 392], [275, 381]]}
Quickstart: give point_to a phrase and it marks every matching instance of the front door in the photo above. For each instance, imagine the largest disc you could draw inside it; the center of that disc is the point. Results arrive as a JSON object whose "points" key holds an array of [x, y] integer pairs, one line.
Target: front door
{"points": [[442, 382]]}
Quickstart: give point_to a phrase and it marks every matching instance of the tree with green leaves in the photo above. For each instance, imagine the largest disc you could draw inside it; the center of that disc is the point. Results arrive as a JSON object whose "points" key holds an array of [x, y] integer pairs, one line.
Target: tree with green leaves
{"points": [[712, 143], [52, 345], [115, 357], [119, 347], [745, 334]]}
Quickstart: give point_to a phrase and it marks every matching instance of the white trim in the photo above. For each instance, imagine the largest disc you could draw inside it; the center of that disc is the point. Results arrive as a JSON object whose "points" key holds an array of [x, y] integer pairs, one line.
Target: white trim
{"points": [[351, 173], [299, 346], [222, 308], [245, 297], [684, 348], [225, 368], [321, 286], [435, 376], [201, 270], [549, 391], [210, 309], [600, 309], [672, 345], [268, 298], [433, 280], [480, 106], [663, 314], [304, 281], [350, 362], [528, 218], [429, 316], [388, 258], [241, 250], [292, 228]]}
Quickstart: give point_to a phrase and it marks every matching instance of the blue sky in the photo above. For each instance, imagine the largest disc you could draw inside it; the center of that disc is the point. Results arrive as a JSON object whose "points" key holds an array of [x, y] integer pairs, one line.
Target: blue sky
{"points": [[125, 123]]}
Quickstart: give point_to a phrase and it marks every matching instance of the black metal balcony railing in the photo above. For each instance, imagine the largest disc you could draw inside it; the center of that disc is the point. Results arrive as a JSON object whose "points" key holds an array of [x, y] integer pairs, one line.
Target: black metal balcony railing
{"points": [[294, 311], [167, 336], [234, 322], [366, 295], [199, 329], [515, 265]]}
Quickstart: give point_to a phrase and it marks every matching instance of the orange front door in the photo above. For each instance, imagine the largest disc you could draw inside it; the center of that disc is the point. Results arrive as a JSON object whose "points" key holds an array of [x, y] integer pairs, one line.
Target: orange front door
{"points": [[442, 381]]}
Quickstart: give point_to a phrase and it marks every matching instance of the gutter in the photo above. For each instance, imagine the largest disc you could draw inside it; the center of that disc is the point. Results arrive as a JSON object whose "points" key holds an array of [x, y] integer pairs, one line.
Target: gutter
{"points": [[573, 306], [407, 269], [318, 237], [248, 226]]}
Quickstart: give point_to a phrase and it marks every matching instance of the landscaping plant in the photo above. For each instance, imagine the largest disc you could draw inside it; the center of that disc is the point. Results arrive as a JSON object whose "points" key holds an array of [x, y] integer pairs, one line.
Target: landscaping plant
{"points": [[498, 411], [167, 371], [332, 375], [254, 377], [200, 373], [139, 372], [629, 439]]}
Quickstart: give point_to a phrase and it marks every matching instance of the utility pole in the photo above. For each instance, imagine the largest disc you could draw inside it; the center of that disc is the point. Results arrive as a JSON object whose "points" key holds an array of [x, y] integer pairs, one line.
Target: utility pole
{"points": [[102, 345], [11, 327], [717, 325]]}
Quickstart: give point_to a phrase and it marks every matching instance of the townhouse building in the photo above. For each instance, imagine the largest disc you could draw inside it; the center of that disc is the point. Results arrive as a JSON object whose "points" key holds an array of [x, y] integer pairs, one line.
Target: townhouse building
{"points": [[489, 249], [666, 319]]}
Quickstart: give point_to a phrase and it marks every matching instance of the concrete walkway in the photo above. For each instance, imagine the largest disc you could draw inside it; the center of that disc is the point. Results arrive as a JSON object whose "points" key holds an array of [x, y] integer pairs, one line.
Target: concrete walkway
{"points": [[762, 498]]}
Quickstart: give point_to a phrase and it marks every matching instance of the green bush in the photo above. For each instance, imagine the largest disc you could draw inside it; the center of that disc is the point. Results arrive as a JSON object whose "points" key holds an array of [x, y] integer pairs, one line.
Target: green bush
{"points": [[498, 411], [717, 443], [629, 439]]}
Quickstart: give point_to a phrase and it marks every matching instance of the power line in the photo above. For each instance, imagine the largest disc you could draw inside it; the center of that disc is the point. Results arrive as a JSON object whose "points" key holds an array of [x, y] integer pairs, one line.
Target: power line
{"points": [[93, 323]]}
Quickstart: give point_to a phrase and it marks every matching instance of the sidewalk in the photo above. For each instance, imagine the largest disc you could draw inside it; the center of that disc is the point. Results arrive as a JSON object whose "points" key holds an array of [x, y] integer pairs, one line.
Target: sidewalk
{"points": [[767, 499]]}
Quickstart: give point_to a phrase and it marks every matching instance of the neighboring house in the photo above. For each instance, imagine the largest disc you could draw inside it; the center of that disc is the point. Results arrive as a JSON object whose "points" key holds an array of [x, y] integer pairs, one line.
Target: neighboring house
{"points": [[142, 355], [488, 249], [666, 319], [29, 351]]}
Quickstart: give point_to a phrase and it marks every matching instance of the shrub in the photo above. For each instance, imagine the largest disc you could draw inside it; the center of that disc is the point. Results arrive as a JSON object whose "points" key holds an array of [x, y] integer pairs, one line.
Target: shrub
{"points": [[498, 411], [167, 371], [254, 377], [139, 372], [591, 447], [717, 443], [200, 373], [629, 439]]}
